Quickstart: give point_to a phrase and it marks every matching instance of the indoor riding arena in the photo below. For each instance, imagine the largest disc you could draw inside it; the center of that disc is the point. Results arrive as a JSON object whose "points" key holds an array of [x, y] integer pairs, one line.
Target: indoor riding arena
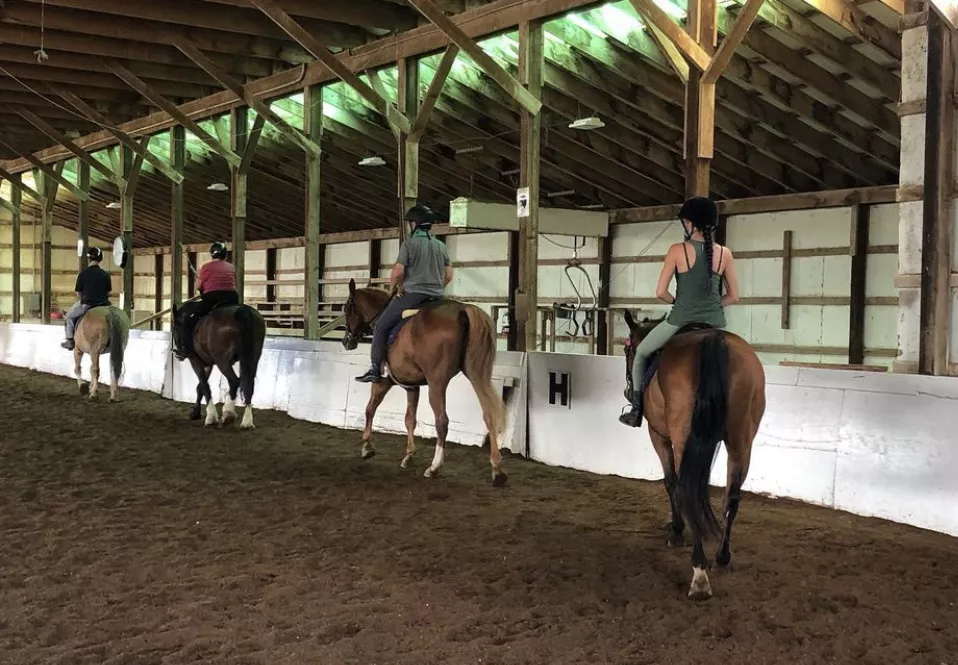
{"points": [[555, 141]]}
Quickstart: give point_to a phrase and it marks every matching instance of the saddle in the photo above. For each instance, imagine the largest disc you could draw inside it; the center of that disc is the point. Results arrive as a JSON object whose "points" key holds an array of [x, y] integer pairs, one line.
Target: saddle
{"points": [[407, 314], [652, 365]]}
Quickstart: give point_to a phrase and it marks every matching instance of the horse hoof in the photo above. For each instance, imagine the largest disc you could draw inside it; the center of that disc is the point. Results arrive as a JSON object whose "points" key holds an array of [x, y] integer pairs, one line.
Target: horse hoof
{"points": [[113, 400], [674, 538], [247, 426], [429, 473], [700, 589], [84, 390], [369, 454], [228, 418], [94, 398], [195, 415], [499, 479], [405, 462]]}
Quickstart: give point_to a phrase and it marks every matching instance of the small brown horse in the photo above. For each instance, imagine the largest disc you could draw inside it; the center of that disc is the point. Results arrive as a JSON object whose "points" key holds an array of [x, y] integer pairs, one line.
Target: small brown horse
{"points": [[441, 339], [104, 329], [228, 334], [709, 386]]}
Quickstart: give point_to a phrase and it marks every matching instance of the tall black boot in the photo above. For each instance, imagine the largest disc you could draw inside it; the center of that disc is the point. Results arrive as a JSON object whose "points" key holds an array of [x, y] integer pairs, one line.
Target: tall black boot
{"points": [[633, 418]]}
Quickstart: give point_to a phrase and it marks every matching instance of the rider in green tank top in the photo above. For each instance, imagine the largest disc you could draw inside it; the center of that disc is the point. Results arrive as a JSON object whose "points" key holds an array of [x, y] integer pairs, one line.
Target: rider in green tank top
{"points": [[699, 267]]}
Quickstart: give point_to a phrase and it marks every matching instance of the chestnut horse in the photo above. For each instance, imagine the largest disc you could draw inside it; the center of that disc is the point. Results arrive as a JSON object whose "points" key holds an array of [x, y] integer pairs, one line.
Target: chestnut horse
{"points": [[228, 334], [708, 386], [434, 343], [104, 329]]}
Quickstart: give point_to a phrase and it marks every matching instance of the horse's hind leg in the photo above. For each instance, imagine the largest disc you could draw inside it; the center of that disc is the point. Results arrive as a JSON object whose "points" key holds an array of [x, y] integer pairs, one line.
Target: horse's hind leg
{"points": [[437, 399], [738, 460], [412, 407], [77, 370], [376, 395], [229, 406], [663, 448], [94, 374]]}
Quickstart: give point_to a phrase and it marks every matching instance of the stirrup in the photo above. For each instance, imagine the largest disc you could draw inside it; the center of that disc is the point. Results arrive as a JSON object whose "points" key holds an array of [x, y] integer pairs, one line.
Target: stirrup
{"points": [[632, 417]]}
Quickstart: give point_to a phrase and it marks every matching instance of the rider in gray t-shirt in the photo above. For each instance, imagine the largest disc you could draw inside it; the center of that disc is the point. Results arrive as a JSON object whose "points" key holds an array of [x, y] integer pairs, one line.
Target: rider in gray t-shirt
{"points": [[424, 269]]}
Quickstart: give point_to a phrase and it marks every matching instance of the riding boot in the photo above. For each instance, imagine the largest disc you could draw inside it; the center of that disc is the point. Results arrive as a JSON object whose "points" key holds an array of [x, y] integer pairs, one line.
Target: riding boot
{"points": [[633, 418], [67, 344], [372, 375]]}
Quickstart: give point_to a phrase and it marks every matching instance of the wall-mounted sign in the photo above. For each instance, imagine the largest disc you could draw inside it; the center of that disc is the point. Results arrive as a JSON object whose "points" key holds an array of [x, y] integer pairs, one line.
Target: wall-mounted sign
{"points": [[522, 202], [560, 387]]}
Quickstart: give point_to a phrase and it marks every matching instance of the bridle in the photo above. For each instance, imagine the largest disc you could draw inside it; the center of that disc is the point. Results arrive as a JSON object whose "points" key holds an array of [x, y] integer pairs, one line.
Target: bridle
{"points": [[364, 327]]}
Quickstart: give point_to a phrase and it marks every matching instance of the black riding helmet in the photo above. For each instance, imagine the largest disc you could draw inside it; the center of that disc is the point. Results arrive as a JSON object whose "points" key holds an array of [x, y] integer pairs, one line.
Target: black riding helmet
{"points": [[421, 216], [218, 250], [701, 212], [94, 254]]}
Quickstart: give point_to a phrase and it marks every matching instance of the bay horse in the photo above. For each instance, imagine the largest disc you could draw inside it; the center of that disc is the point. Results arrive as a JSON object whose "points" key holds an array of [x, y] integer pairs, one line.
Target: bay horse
{"points": [[103, 329], [706, 385], [433, 344], [229, 333]]}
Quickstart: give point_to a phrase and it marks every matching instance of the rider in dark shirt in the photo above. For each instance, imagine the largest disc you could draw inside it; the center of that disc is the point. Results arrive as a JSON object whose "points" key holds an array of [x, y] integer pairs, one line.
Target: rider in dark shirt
{"points": [[93, 288]]}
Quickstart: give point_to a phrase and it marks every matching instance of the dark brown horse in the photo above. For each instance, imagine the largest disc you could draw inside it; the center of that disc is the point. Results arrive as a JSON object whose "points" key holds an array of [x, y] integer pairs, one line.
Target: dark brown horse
{"points": [[709, 386], [226, 335], [440, 340]]}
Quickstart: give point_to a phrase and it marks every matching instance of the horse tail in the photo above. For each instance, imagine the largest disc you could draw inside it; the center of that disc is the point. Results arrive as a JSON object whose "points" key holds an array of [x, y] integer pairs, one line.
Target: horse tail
{"points": [[252, 333], [478, 358], [708, 429], [119, 332]]}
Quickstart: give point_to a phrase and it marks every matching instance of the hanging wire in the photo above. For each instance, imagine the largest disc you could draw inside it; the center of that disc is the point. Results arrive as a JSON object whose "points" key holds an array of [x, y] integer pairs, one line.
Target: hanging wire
{"points": [[40, 53]]}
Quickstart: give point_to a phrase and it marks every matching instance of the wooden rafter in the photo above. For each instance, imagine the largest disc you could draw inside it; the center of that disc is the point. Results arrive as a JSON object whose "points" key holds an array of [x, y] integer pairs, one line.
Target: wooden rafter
{"points": [[515, 89], [48, 171], [322, 53], [156, 98], [671, 53], [652, 13], [121, 136], [193, 53], [433, 92]]}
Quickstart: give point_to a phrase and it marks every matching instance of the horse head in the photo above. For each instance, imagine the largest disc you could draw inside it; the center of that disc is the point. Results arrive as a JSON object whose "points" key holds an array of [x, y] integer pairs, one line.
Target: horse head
{"points": [[356, 323], [637, 332]]}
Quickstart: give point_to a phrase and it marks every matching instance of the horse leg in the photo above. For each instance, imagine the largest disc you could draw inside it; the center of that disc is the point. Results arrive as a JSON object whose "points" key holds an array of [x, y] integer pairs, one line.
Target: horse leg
{"points": [[663, 448], [77, 357], [94, 373], [200, 372], [412, 407], [437, 400], [735, 476], [376, 395], [229, 406], [114, 383]]}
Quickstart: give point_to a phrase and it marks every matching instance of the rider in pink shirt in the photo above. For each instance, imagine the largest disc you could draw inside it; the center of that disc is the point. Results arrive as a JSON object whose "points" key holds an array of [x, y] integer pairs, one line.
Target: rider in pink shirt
{"points": [[216, 283]]}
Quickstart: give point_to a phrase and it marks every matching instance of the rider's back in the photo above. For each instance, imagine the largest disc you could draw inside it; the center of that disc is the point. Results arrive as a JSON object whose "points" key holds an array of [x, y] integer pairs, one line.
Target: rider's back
{"points": [[217, 276], [94, 286], [425, 259]]}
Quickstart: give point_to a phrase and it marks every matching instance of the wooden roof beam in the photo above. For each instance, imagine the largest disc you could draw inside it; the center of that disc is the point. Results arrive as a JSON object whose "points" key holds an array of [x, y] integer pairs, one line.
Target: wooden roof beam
{"points": [[515, 89], [322, 53], [852, 18], [683, 41], [432, 93], [193, 53], [670, 52], [18, 185], [80, 154], [243, 21], [367, 13], [159, 101], [732, 40], [48, 171], [123, 138]]}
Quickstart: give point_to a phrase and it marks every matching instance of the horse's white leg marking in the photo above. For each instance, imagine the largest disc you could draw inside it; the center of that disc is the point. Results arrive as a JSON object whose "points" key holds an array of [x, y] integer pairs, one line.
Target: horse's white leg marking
{"points": [[247, 418], [77, 357], [700, 589], [436, 462], [94, 375], [212, 417], [229, 410]]}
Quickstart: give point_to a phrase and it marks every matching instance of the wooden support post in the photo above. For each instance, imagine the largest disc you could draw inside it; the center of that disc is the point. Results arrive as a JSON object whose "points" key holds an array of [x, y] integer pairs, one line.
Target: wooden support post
{"points": [[131, 175], [375, 257], [858, 249], [408, 145], [605, 316], [786, 277], [239, 131], [190, 275], [45, 184], [83, 213], [515, 267], [531, 62], [699, 100], [271, 274], [313, 126], [157, 323], [178, 162], [16, 198], [934, 314]]}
